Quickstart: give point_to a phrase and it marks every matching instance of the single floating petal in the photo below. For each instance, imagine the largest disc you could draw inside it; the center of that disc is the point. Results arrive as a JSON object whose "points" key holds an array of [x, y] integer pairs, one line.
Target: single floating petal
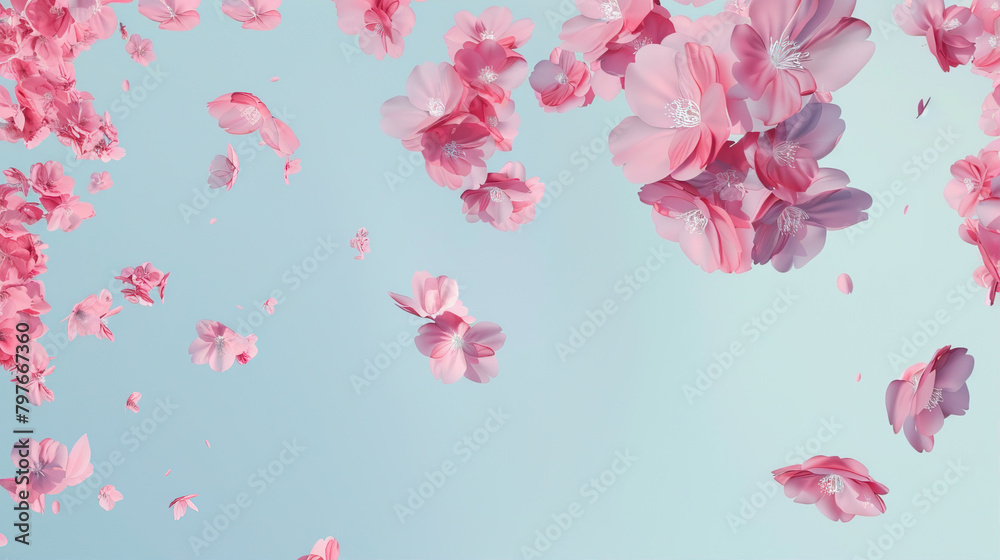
{"points": [[845, 284], [166, 473], [125, 85], [858, 378]]}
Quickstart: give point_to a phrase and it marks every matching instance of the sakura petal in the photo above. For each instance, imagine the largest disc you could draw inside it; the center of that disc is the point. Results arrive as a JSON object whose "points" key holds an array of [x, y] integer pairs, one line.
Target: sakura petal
{"points": [[166, 473], [845, 284], [208, 444], [3, 538], [212, 221], [857, 378], [125, 85], [274, 79], [239, 307], [56, 507], [922, 106], [906, 209]]}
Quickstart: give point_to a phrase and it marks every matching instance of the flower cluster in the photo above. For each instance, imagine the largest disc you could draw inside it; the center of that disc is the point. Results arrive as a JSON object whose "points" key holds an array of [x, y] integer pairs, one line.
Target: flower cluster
{"points": [[143, 278]]}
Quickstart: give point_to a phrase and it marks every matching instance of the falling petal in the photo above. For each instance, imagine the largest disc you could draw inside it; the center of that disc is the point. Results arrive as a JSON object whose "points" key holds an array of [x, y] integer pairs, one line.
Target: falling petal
{"points": [[208, 444], [274, 79], [906, 209], [132, 403], [269, 305], [858, 378], [55, 509], [922, 106], [125, 86], [239, 307], [166, 473], [845, 284], [3, 538], [212, 221]]}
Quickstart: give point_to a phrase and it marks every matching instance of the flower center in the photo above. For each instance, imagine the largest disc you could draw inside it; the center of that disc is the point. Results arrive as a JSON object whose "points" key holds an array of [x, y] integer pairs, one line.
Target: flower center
{"points": [[251, 114], [562, 78], [453, 150], [937, 395], [694, 221], [487, 75], [435, 107], [784, 153], [684, 112], [220, 343], [832, 484], [951, 24], [969, 185], [486, 36], [492, 122], [790, 220], [496, 194], [729, 186], [610, 11], [994, 41], [785, 55], [641, 42], [378, 29], [456, 341]]}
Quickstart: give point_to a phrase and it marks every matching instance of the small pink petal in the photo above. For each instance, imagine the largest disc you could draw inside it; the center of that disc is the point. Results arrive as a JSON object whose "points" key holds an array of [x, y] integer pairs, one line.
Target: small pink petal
{"points": [[274, 79], [845, 284], [261, 143], [125, 86], [55, 509], [906, 209], [166, 473], [858, 378], [212, 221], [3, 538], [922, 106], [208, 444], [239, 307]]}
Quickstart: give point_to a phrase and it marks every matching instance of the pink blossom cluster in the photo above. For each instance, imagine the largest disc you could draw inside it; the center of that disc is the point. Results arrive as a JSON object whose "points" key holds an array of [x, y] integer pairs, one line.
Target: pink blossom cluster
{"points": [[957, 35], [732, 115], [39, 40], [380, 25], [143, 278], [49, 469], [220, 347], [458, 114], [455, 342]]}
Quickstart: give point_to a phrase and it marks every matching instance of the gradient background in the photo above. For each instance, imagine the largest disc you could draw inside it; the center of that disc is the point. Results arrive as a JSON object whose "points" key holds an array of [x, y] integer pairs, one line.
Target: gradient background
{"points": [[623, 390]]}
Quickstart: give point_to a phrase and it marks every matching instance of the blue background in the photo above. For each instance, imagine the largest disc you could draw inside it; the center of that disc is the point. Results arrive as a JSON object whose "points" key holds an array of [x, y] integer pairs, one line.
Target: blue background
{"points": [[698, 456]]}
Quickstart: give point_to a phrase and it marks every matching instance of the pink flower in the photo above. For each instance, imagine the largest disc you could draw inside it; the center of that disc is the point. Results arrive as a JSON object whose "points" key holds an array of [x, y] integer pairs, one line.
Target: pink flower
{"points": [[975, 179], [379, 24], [66, 212], [455, 154], [239, 112], [51, 469], [141, 50], [224, 170], [181, 505], [133, 402], [269, 305], [217, 345], [260, 15], [494, 24], [457, 349], [988, 242], [47, 179], [88, 315], [360, 242], [786, 158], [108, 496], [250, 352], [788, 235], [840, 488], [506, 200], [989, 122], [431, 297], [793, 48], [434, 92], [683, 139], [292, 166], [707, 233], [600, 23], [324, 549], [950, 32], [926, 394], [173, 15], [99, 181], [143, 278], [562, 82], [489, 70], [38, 370], [609, 70]]}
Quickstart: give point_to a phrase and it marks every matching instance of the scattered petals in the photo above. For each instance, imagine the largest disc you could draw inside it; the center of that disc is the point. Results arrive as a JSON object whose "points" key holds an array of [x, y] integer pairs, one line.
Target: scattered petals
{"points": [[857, 378]]}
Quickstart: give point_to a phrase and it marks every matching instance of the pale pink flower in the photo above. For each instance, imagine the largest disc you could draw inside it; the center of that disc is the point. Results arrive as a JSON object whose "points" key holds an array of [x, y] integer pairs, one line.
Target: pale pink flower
{"points": [[87, 317], [173, 15], [181, 505], [494, 24], [99, 181], [324, 549], [224, 169], [108, 496], [974, 179], [141, 50], [360, 242], [431, 297], [840, 488], [261, 15], [239, 112], [434, 92], [457, 349], [600, 23], [66, 212], [562, 82], [380, 25], [133, 402], [217, 345], [506, 200], [269, 305], [950, 32]]}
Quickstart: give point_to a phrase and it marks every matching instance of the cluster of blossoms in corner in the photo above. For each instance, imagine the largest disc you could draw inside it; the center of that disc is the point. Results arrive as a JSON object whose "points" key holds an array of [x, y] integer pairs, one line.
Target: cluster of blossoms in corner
{"points": [[457, 114], [957, 35], [455, 342], [732, 113]]}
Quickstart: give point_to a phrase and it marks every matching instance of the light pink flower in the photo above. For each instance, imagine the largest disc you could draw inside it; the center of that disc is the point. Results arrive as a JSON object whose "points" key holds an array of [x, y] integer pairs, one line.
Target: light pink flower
{"points": [[292, 166], [600, 23], [239, 112], [988, 242], [494, 24], [506, 200], [684, 138], [224, 169], [793, 48], [489, 70], [434, 92], [143, 278], [181, 505], [99, 181], [989, 122], [87, 316], [786, 157], [141, 50], [324, 549], [47, 179], [380, 25], [562, 82], [457, 349], [974, 179], [360, 242], [133, 402], [455, 154], [950, 32], [249, 353], [108, 496], [431, 297], [66, 212], [173, 15], [840, 488], [269, 305], [261, 15], [609, 69], [926, 394], [217, 345]]}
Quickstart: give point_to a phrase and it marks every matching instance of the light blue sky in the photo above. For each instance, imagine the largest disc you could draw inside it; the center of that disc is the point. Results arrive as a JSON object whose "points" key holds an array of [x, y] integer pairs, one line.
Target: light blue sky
{"points": [[697, 457]]}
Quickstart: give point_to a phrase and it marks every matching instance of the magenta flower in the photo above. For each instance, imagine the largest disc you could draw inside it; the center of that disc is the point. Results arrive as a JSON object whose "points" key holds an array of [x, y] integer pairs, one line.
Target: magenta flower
{"points": [[217, 345], [324, 549], [490, 70], [456, 349], [926, 394], [840, 488]]}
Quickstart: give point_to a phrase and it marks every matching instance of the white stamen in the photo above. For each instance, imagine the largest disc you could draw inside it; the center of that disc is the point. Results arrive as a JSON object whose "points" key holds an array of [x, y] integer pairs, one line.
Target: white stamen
{"points": [[684, 112], [785, 55]]}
